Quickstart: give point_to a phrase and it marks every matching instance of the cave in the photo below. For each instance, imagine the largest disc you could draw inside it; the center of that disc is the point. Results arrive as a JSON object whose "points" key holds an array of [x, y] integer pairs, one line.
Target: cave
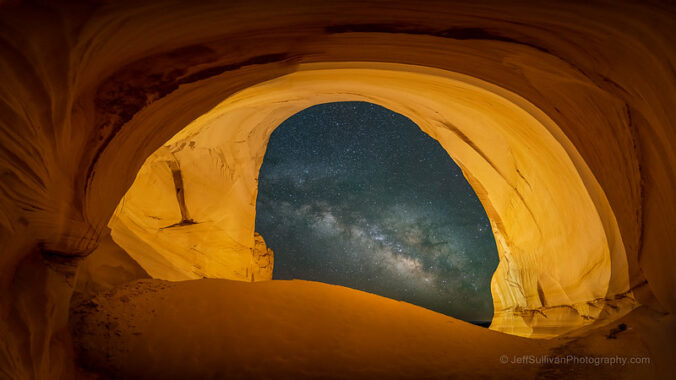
{"points": [[132, 141]]}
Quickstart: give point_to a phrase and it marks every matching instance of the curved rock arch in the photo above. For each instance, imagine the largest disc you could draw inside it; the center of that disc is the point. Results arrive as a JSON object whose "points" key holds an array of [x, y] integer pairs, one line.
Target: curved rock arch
{"points": [[86, 89], [534, 194]]}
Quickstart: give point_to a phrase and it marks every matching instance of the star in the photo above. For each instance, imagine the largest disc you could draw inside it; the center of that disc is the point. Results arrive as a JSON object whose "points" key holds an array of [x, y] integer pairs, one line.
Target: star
{"points": [[353, 194]]}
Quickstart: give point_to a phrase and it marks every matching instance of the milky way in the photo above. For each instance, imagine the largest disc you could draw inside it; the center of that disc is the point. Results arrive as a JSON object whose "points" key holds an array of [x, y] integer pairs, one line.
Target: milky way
{"points": [[353, 194]]}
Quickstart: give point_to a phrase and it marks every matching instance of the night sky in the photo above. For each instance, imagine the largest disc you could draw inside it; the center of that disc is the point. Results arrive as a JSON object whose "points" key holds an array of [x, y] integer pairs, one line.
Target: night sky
{"points": [[353, 194]]}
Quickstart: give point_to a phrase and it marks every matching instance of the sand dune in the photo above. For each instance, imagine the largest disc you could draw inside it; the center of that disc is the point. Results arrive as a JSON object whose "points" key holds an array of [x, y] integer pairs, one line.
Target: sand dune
{"points": [[301, 329]]}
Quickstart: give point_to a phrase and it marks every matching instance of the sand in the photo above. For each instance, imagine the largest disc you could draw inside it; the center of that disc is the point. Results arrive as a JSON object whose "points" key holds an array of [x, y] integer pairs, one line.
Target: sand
{"points": [[301, 329]]}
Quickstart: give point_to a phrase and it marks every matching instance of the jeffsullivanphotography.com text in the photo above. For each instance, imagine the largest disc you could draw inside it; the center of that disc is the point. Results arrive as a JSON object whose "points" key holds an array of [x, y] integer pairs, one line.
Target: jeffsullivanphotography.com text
{"points": [[571, 359]]}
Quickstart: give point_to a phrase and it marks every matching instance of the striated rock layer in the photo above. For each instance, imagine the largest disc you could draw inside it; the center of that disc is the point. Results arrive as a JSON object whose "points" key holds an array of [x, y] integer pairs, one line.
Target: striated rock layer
{"points": [[565, 133]]}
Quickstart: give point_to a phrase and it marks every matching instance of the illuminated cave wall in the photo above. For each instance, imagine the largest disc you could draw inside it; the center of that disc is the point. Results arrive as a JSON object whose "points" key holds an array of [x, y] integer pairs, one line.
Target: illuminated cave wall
{"points": [[183, 217], [535, 196], [91, 91]]}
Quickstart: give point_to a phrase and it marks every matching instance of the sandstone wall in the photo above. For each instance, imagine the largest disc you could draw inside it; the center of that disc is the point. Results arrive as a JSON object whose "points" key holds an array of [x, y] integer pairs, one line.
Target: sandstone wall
{"points": [[182, 218], [90, 91]]}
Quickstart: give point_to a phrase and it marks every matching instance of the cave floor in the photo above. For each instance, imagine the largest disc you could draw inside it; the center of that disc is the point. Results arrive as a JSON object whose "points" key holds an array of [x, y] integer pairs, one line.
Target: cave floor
{"points": [[300, 329]]}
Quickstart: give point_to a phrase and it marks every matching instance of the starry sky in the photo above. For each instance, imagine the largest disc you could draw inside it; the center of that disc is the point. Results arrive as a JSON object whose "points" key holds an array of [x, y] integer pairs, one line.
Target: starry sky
{"points": [[353, 194]]}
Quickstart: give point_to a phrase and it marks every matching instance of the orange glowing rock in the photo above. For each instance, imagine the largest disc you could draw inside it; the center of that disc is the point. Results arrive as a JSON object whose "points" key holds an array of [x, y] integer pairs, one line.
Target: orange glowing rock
{"points": [[536, 189], [559, 113]]}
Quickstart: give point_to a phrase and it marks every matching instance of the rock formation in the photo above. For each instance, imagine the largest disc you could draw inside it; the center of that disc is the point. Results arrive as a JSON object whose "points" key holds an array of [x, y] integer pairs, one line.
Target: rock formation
{"points": [[558, 114], [537, 191], [181, 219], [105, 268]]}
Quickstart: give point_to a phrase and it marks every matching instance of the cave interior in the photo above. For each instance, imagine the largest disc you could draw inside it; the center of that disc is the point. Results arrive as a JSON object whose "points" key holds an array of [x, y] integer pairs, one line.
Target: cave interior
{"points": [[132, 137]]}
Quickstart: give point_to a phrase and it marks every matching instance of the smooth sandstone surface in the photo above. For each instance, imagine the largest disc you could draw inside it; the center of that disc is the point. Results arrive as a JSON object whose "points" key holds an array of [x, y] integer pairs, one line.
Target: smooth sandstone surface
{"points": [[91, 90], [303, 329], [106, 268], [190, 227]]}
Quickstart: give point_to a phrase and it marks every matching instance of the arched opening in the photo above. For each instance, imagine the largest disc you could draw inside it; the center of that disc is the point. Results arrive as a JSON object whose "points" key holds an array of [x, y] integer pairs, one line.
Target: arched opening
{"points": [[562, 262], [354, 194]]}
